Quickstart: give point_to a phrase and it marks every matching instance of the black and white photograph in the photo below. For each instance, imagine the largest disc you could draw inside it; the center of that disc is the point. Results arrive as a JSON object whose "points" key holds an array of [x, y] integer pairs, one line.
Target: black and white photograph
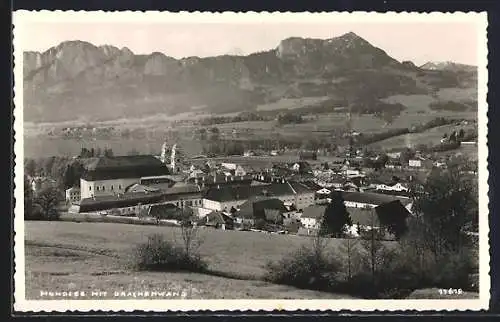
{"points": [[250, 161]]}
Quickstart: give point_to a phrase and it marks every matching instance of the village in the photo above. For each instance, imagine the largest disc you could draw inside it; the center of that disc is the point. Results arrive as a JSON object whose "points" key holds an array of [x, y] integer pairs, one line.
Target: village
{"points": [[242, 194]]}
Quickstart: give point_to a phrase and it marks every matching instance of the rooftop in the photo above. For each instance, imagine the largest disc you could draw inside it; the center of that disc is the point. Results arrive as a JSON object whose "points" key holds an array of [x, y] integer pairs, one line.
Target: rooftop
{"points": [[314, 212], [373, 198], [136, 166], [228, 193]]}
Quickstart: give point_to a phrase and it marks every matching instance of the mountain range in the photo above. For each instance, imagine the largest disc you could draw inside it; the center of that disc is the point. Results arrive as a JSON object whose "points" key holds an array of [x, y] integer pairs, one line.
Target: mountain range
{"points": [[77, 79]]}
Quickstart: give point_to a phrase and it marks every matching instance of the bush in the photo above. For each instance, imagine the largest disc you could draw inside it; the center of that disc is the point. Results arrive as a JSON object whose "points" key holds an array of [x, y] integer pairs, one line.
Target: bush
{"points": [[308, 267], [161, 255], [454, 270]]}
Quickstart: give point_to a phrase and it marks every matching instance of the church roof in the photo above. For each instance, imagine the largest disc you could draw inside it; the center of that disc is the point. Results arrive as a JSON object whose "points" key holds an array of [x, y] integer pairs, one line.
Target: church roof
{"points": [[131, 166]]}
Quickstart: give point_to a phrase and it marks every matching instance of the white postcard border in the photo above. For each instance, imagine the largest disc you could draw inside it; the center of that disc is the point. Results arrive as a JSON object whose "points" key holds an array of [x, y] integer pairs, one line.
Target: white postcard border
{"points": [[22, 305]]}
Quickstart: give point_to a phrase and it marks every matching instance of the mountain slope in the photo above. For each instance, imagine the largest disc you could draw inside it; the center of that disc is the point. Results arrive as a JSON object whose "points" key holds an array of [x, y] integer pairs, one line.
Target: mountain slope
{"points": [[77, 79], [449, 66]]}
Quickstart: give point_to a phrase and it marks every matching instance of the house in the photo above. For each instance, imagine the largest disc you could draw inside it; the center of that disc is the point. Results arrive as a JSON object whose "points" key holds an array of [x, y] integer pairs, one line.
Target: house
{"points": [[240, 171], [140, 196], [378, 218], [73, 195], [304, 196], [269, 209], [362, 219], [300, 166], [249, 153], [224, 197], [394, 155], [415, 163], [324, 191], [109, 175], [229, 166], [393, 164], [395, 186], [369, 200], [312, 216], [218, 220]]}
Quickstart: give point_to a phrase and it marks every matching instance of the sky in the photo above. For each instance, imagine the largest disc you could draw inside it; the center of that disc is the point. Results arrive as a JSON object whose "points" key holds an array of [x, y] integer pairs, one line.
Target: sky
{"points": [[418, 42]]}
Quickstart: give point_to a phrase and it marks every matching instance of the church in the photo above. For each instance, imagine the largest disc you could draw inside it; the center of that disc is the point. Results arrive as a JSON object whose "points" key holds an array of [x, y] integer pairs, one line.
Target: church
{"points": [[113, 175]]}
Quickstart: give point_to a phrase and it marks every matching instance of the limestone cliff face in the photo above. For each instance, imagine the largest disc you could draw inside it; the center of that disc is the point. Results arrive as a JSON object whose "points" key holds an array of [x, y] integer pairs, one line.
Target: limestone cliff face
{"points": [[103, 82]]}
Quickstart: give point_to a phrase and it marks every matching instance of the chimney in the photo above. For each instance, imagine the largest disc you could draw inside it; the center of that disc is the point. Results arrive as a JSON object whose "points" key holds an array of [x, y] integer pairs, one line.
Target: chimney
{"points": [[218, 186]]}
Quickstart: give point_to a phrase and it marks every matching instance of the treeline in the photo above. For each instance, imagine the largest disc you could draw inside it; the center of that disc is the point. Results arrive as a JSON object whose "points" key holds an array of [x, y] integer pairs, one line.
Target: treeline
{"points": [[66, 171], [452, 106], [98, 152], [289, 118], [242, 117], [375, 137], [238, 147]]}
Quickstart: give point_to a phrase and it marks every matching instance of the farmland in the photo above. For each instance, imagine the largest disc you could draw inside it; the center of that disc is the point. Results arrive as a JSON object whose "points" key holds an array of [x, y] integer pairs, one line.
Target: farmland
{"points": [[430, 137], [87, 256]]}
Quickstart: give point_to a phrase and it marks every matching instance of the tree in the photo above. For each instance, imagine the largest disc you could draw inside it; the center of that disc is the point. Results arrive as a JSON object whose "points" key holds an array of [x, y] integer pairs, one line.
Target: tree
{"points": [[447, 205], [28, 199], [453, 136], [30, 167], [133, 152], [336, 217], [108, 153], [48, 200], [348, 247], [461, 134], [406, 155], [48, 165], [69, 175], [215, 133], [189, 233]]}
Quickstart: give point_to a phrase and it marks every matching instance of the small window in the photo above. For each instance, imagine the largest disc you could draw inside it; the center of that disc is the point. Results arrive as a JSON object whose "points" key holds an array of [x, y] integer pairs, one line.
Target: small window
{"points": [[97, 188], [90, 188], [103, 188], [119, 187], [111, 187]]}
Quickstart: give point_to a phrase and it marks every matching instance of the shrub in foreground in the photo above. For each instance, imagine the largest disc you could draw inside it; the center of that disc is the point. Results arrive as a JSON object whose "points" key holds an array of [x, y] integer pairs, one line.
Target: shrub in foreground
{"points": [[158, 254], [307, 267]]}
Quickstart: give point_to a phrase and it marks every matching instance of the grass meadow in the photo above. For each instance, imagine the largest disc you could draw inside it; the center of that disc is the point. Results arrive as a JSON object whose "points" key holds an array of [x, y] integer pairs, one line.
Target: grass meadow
{"points": [[64, 256]]}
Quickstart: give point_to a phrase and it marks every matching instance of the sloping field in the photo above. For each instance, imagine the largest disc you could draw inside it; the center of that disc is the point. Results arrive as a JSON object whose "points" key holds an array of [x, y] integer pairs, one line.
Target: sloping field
{"points": [[94, 256], [430, 137]]}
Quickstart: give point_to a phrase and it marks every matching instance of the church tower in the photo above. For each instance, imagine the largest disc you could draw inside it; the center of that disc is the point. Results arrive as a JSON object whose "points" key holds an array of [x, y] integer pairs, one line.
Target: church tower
{"points": [[176, 158], [164, 153]]}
